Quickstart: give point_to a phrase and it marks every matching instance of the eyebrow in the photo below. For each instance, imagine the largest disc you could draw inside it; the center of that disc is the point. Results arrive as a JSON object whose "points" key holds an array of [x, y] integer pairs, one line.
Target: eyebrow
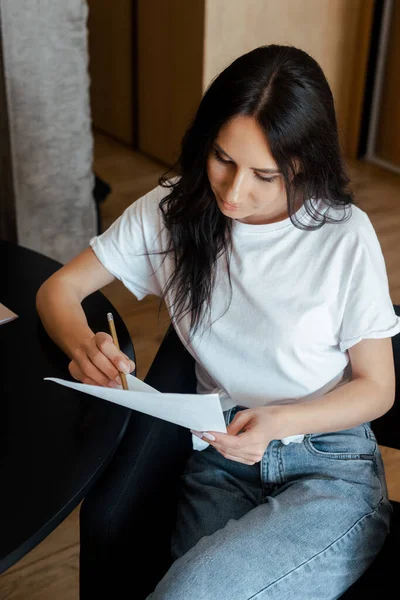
{"points": [[218, 147]]}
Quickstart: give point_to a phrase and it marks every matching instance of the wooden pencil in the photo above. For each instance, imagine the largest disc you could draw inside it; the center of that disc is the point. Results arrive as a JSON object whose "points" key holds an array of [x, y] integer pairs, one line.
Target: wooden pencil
{"points": [[113, 332]]}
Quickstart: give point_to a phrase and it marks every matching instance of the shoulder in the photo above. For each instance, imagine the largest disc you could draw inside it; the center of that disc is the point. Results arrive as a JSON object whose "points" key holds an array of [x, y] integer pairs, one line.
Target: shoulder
{"points": [[358, 246], [361, 232], [152, 199], [350, 224], [347, 238], [146, 209]]}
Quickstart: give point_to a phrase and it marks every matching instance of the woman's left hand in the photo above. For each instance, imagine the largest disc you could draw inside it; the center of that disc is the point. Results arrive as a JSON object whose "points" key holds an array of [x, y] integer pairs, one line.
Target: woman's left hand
{"points": [[248, 435]]}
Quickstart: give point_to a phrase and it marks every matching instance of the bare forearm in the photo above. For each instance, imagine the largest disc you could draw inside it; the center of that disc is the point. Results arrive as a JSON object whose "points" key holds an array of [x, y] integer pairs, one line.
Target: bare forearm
{"points": [[62, 315], [353, 403]]}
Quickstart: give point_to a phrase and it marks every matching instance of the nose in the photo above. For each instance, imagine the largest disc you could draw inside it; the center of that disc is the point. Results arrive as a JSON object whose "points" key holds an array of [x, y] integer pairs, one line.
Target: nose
{"points": [[236, 188]]}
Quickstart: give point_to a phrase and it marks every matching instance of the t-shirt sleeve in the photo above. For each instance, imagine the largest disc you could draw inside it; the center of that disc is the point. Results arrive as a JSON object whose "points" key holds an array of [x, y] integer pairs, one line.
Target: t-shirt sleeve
{"points": [[368, 308], [124, 247]]}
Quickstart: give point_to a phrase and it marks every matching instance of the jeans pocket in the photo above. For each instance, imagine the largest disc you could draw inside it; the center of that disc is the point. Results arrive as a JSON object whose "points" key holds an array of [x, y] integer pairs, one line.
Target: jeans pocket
{"points": [[358, 443]]}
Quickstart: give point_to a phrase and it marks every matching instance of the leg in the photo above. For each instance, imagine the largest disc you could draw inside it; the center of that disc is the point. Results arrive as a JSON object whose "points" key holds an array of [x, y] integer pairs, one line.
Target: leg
{"points": [[213, 490], [322, 521]]}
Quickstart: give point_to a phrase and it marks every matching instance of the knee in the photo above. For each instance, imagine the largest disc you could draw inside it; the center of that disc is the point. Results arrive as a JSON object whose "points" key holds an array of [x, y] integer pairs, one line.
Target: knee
{"points": [[191, 576]]}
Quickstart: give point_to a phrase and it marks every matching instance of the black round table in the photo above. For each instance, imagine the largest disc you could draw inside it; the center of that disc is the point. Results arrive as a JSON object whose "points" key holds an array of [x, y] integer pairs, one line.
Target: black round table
{"points": [[54, 441]]}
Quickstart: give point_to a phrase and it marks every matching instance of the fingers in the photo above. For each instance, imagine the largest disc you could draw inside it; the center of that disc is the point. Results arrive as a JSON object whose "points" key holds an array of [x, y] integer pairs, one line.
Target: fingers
{"points": [[233, 443], [245, 440], [243, 448], [119, 360], [245, 457], [103, 364], [249, 458], [79, 375], [240, 460], [98, 362], [239, 421]]}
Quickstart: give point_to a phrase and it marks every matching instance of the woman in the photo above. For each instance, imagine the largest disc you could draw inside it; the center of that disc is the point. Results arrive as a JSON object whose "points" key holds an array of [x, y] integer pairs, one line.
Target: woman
{"points": [[276, 283]]}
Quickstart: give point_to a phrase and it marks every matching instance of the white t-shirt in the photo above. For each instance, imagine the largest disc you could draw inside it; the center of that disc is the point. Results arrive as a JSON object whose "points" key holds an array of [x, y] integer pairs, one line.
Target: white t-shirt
{"points": [[300, 299]]}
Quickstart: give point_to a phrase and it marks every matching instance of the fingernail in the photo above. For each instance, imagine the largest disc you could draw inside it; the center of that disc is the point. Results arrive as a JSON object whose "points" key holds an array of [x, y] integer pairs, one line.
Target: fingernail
{"points": [[130, 363], [197, 433], [118, 380], [209, 436], [124, 367], [113, 384]]}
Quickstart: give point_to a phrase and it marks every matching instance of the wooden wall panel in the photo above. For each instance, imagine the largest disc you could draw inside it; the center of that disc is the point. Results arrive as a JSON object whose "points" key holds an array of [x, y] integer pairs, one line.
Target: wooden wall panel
{"points": [[335, 33], [111, 67], [170, 68], [183, 45], [388, 131]]}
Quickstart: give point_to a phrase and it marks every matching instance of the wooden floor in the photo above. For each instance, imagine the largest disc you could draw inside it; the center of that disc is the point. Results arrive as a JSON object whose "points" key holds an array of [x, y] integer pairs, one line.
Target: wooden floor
{"points": [[50, 571]]}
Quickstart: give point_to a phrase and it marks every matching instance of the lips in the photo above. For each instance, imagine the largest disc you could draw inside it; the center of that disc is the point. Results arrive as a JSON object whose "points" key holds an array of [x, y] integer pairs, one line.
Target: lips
{"points": [[230, 206]]}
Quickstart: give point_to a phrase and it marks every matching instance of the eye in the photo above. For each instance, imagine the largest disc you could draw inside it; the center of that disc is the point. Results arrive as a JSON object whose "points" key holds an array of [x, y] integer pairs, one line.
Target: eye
{"points": [[218, 156], [267, 179]]}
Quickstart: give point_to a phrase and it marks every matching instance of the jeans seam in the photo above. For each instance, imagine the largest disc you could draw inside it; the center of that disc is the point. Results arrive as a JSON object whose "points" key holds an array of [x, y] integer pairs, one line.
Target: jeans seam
{"points": [[378, 475], [372, 513], [282, 477], [371, 436]]}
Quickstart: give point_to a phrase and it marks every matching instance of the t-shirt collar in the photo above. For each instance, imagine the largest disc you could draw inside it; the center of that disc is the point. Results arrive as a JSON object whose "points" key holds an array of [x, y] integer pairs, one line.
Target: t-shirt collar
{"points": [[239, 227]]}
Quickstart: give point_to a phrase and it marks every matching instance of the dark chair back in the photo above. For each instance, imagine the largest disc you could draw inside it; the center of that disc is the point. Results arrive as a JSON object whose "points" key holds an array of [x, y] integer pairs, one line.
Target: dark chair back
{"points": [[387, 427]]}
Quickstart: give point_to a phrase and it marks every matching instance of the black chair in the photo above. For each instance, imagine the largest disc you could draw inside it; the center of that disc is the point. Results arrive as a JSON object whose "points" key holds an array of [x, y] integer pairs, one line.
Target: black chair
{"points": [[100, 192], [127, 519]]}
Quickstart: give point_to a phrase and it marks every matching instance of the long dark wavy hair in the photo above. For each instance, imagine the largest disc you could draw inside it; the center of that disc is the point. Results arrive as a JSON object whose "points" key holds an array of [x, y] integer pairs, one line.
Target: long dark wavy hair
{"points": [[286, 92]]}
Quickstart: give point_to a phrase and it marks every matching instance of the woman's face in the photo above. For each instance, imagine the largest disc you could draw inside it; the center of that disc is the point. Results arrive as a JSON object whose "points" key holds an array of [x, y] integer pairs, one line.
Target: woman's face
{"points": [[244, 176]]}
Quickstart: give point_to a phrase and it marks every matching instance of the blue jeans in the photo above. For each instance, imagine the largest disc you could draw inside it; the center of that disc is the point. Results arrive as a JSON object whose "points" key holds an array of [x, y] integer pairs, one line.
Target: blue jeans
{"points": [[302, 524]]}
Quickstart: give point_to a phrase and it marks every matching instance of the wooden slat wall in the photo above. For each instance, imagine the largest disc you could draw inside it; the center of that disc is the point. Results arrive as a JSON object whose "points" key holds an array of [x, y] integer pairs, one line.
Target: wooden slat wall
{"points": [[388, 132], [111, 67], [182, 42], [335, 33], [170, 67]]}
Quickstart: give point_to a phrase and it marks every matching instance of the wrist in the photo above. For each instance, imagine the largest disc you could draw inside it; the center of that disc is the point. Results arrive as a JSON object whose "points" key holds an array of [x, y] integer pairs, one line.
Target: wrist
{"points": [[75, 340], [284, 423]]}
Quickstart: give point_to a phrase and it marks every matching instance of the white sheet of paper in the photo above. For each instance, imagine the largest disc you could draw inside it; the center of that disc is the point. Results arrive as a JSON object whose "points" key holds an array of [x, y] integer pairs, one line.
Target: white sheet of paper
{"points": [[201, 412]]}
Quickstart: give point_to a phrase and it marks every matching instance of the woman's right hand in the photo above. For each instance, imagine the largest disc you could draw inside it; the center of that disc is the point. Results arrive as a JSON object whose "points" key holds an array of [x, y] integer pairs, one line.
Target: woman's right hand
{"points": [[97, 362]]}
